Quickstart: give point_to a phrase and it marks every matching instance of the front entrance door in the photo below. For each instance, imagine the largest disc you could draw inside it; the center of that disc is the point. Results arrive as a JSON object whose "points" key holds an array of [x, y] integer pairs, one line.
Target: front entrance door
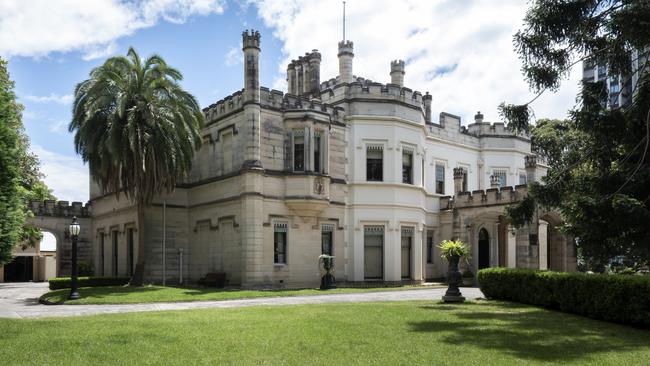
{"points": [[483, 249], [406, 256], [21, 269], [373, 259]]}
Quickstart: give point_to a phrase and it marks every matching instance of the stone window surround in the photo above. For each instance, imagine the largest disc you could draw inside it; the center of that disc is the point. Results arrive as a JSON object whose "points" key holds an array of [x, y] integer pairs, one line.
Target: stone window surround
{"points": [[375, 145], [309, 133], [445, 166], [281, 226]]}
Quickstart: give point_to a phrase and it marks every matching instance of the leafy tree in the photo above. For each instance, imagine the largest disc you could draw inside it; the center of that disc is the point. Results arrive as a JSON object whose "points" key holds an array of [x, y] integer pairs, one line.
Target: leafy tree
{"points": [[600, 169], [20, 177], [138, 130]]}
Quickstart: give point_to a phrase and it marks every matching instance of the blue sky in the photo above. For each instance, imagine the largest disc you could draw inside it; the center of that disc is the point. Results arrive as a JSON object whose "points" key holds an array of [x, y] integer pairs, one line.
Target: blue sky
{"points": [[458, 50]]}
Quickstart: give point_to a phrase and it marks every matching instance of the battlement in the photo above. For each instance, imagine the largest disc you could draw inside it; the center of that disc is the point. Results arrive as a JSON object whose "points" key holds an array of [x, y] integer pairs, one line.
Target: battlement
{"points": [[346, 47], [313, 56], [250, 40], [397, 65], [61, 208], [479, 198], [480, 128], [273, 99], [368, 88]]}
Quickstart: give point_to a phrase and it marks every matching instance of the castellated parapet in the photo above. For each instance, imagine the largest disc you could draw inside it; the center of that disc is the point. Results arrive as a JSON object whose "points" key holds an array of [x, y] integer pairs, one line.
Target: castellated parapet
{"points": [[346, 54], [482, 198], [250, 39], [60, 208], [271, 99]]}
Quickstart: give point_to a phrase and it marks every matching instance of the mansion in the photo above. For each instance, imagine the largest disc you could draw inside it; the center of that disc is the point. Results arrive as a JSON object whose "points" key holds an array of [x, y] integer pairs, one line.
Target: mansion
{"points": [[348, 167]]}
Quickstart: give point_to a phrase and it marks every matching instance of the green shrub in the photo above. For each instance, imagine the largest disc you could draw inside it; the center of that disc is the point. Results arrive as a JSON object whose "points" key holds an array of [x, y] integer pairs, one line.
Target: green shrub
{"points": [[616, 298], [64, 282]]}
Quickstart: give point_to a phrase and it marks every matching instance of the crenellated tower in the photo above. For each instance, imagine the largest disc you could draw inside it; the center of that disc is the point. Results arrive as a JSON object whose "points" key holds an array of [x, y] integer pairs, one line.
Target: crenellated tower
{"points": [[251, 49], [345, 55], [397, 72]]}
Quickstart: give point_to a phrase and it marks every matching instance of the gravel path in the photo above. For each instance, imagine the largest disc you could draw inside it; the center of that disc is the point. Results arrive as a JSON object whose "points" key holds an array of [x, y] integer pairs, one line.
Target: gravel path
{"points": [[20, 300]]}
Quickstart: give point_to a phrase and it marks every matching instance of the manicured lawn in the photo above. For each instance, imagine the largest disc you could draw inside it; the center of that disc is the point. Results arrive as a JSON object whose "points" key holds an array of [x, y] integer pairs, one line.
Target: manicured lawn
{"points": [[133, 295], [392, 333]]}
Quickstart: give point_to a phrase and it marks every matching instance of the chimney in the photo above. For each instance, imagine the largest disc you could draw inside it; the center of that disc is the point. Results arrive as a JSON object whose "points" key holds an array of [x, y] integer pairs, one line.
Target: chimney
{"points": [[397, 72], [427, 99], [314, 73], [291, 77], [531, 168], [458, 180], [495, 182], [345, 61], [478, 117]]}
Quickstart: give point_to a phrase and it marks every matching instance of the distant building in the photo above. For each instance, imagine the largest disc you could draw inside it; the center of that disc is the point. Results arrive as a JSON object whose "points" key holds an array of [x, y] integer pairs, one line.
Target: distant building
{"points": [[346, 166]]}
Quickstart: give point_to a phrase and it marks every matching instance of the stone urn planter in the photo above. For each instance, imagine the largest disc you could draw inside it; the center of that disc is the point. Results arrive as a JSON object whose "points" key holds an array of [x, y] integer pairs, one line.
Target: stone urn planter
{"points": [[453, 250], [327, 280]]}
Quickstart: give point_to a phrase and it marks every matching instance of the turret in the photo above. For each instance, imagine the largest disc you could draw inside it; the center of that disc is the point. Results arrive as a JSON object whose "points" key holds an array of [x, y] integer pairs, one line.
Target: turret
{"points": [[530, 163], [345, 61], [291, 78], [459, 174], [397, 72], [251, 48], [426, 100], [478, 117], [252, 114]]}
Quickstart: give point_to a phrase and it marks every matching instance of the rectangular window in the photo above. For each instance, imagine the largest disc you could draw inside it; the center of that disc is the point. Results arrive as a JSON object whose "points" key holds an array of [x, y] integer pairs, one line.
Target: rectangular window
{"points": [[317, 154], [374, 163], [502, 177], [373, 256], [430, 246], [280, 243], [114, 264], [440, 179], [522, 178], [299, 153], [129, 243], [407, 167], [102, 253], [327, 240]]}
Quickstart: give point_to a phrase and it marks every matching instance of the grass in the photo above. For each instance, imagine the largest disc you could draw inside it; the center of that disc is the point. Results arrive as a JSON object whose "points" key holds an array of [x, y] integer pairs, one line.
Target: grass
{"points": [[391, 333], [146, 294]]}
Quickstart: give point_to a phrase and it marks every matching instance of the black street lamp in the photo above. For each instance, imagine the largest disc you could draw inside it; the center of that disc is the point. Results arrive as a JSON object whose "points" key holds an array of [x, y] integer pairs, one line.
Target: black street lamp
{"points": [[74, 233]]}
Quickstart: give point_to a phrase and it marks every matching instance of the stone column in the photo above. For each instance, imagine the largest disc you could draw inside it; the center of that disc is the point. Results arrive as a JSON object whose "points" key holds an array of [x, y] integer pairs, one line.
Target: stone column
{"points": [[543, 244], [417, 258], [512, 247], [314, 73], [393, 254], [252, 208], [531, 168], [291, 78]]}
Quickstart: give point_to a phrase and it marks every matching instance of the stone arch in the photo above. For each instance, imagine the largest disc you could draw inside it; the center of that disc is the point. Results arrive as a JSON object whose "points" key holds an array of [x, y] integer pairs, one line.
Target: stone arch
{"points": [[489, 220]]}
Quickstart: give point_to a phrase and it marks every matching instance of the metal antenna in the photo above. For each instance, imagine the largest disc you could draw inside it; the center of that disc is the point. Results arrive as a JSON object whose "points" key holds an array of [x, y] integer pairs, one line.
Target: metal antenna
{"points": [[344, 21]]}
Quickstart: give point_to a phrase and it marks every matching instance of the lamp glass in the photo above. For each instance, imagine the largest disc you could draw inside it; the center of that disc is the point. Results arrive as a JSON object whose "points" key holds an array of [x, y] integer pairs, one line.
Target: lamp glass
{"points": [[74, 227]]}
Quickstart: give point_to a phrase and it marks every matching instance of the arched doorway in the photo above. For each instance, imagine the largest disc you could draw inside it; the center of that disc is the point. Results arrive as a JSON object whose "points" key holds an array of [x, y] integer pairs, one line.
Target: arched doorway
{"points": [[483, 249]]}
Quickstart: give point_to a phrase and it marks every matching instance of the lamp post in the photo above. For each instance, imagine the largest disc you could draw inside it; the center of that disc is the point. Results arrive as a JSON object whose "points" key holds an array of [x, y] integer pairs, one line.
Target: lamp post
{"points": [[74, 233]]}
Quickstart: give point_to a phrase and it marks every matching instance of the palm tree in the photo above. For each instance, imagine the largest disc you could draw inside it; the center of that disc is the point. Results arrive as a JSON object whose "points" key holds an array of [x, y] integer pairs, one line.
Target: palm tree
{"points": [[137, 129]]}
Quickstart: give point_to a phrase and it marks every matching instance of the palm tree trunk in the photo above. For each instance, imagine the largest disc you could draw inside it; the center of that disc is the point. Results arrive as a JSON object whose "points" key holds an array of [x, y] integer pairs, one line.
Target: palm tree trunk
{"points": [[138, 274]]}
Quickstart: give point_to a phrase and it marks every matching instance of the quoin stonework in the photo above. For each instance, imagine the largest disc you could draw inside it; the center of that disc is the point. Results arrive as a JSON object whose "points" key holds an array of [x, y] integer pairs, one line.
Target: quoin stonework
{"points": [[346, 166]]}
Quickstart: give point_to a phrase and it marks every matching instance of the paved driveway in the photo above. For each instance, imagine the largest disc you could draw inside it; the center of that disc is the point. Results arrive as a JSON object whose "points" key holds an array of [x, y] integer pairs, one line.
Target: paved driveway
{"points": [[20, 301]]}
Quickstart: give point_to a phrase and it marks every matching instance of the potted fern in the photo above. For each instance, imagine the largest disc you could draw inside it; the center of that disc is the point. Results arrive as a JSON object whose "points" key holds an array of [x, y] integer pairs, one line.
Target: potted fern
{"points": [[453, 251]]}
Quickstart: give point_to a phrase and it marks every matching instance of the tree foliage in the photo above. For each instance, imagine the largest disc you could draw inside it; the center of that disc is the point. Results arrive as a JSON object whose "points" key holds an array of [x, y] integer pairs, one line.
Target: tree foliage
{"points": [[136, 126], [20, 177], [600, 169]]}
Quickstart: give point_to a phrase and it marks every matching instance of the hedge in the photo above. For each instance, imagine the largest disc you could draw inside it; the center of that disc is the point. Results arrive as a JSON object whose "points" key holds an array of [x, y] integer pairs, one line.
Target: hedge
{"points": [[616, 298], [64, 282]]}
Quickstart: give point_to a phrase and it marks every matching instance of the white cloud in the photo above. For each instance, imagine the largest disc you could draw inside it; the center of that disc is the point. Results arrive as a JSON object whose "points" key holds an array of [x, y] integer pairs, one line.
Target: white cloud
{"points": [[59, 127], [233, 56], [459, 50], [67, 176], [52, 98], [41, 27]]}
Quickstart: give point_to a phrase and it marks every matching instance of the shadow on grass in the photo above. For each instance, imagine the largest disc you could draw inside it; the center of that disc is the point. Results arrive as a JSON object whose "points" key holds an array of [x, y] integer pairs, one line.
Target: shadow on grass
{"points": [[530, 333]]}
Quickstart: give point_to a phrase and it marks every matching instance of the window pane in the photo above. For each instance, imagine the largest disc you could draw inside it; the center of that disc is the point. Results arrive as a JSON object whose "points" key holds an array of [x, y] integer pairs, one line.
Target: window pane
{"points": [[407, 167], [429, 247], [317, 162], [440, 179], [374, 165], [279, 247], [326, 243], [298, 153]]}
